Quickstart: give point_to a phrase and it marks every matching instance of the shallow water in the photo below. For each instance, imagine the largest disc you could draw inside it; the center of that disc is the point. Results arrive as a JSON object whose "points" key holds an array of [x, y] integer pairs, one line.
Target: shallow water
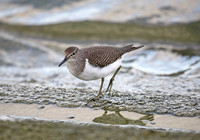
{"points": [[33, 119], [163, 61], [38, 13]]}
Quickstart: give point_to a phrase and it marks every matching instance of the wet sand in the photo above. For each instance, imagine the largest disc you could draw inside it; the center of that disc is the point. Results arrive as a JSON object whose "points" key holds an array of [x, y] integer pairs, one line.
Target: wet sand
{"points": [[87, 115]]}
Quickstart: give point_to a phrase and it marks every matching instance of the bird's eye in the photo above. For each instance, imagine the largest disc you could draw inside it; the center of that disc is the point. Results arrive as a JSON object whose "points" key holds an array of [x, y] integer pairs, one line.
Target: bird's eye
{"points": [[73, 53]]}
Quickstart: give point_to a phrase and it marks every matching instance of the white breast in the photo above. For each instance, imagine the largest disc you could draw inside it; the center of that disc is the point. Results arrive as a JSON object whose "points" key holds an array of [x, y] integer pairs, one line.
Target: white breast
{"points": [[92, 73]]}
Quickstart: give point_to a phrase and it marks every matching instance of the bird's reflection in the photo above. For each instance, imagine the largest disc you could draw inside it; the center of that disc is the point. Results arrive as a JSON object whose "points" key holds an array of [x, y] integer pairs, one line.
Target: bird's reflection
{"points": [[117, 118]]}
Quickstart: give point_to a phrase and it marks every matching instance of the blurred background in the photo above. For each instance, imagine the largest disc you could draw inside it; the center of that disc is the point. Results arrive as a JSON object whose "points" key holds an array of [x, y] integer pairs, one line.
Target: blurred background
{"points": [[34, 34]]}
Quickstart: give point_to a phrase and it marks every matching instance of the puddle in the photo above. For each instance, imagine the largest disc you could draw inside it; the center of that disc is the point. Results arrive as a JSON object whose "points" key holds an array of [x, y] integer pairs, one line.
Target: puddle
{"points": [[87, 115]]}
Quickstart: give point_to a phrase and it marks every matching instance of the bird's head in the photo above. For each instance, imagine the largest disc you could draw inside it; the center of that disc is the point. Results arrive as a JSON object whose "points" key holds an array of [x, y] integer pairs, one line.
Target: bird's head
{"points": [[69, 52]]}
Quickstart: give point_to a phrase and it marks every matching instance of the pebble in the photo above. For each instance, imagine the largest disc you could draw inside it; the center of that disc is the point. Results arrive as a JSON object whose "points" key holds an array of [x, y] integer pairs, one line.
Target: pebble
{"points": [[71, 117], [145, 121], [41, 106]]}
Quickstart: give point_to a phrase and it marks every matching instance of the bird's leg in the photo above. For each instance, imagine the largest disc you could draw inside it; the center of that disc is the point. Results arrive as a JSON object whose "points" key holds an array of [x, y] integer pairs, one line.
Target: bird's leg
{"points": [[112, 79], [100, 90]]}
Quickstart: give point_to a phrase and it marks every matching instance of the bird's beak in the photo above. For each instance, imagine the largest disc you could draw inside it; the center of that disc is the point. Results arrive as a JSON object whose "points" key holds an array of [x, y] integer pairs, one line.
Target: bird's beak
{"points": [[140, 46], [64, 60]]}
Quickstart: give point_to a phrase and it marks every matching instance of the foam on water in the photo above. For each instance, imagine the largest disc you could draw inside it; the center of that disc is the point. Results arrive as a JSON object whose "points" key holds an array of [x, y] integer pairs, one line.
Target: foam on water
{"points": [[162, 62], [154, 11]]}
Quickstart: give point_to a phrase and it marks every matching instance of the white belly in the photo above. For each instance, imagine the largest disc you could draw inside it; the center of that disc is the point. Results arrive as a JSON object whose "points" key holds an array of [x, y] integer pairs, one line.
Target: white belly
{"points": [[92, 73]]}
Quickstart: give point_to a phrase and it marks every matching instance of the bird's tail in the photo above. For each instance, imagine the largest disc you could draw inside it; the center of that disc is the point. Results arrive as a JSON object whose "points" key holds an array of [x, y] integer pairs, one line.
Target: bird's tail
{"points": [[131, 47]]}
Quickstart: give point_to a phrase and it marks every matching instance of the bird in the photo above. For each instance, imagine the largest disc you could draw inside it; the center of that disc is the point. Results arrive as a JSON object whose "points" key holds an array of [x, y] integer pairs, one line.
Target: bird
{"points": [[96, 62]]}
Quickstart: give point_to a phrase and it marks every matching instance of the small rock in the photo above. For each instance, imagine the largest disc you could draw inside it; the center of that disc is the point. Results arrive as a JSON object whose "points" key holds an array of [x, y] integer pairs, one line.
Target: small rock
{"points": [[6, 101], [145, 121], [71, 117], [41, 106], [153, 122]]}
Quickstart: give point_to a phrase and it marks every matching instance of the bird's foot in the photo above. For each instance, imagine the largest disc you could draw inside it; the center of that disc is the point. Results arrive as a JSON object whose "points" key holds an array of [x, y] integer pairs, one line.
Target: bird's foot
{"points": [[96, 98]]}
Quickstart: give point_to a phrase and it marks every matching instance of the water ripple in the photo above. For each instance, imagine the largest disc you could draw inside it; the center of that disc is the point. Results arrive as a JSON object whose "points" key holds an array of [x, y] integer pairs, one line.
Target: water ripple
{"points": [[161, 62]]}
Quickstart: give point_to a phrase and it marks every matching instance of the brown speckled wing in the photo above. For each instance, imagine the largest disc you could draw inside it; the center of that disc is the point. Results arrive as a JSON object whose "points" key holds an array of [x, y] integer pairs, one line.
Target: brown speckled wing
{"points": [[102, 56]]}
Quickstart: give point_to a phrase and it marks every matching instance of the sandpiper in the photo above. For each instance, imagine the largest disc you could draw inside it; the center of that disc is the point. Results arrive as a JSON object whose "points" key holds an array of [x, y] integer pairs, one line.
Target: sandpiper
{"points": [[96, 62]]}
